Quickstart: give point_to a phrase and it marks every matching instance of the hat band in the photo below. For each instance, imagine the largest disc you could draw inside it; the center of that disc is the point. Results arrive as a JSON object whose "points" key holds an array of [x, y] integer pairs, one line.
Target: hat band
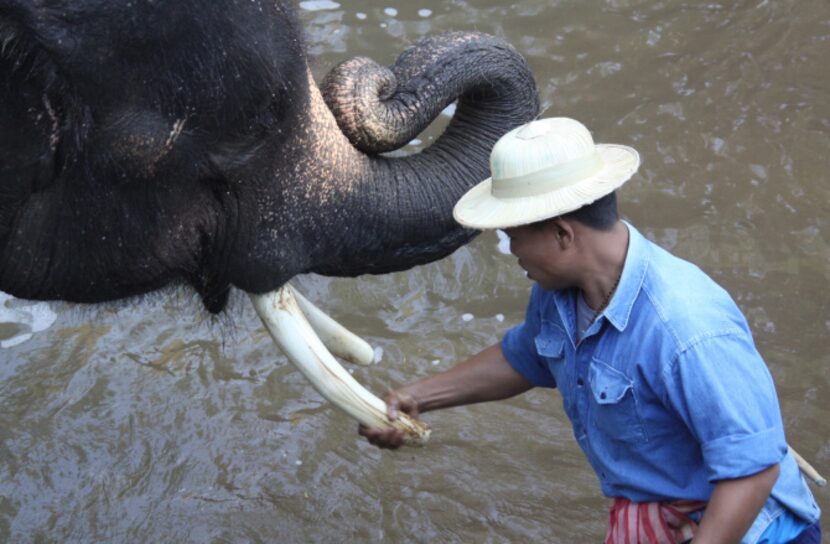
{"points": [[549, 179]]}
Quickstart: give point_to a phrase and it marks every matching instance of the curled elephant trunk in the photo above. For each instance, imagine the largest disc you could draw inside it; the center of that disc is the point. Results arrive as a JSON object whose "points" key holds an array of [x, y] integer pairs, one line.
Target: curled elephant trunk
{"points": [[381, 109], [401, 211]]}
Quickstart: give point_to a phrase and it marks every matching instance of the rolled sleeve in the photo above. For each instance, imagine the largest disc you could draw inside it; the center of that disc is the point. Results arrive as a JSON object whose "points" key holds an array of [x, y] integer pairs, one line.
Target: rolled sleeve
{"points": [[735, 456], [519, 346], [721, 388]]}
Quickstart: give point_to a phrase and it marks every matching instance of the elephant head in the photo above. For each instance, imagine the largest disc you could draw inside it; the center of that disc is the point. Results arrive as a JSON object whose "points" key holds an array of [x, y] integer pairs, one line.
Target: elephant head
{"points": [[149, 142]]}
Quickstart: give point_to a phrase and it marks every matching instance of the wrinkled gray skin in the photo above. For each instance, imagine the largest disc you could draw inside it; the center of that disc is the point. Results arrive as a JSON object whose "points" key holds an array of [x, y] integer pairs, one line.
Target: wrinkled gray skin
{"points": [[127, 162]]}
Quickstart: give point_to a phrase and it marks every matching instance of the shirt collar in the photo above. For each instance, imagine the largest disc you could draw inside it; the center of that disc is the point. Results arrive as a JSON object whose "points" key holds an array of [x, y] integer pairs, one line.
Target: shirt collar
{"points": [[631, 280]]}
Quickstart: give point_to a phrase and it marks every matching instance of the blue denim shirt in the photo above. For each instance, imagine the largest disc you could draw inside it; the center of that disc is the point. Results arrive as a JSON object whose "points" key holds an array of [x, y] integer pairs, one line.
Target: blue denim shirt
{"points": [[666, 392]]}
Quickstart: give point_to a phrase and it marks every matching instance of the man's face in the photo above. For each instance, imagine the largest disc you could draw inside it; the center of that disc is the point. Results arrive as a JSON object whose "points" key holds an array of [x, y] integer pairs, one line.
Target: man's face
{"points": [[540, 252]]}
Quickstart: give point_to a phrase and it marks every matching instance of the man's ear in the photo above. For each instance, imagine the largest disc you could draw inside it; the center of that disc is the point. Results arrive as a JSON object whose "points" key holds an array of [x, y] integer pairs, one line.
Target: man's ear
{"points": [[563, 231]]}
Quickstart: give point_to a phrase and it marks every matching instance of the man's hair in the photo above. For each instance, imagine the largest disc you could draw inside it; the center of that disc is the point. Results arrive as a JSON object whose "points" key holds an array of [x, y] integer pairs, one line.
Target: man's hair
{"points": [[599, 215]]}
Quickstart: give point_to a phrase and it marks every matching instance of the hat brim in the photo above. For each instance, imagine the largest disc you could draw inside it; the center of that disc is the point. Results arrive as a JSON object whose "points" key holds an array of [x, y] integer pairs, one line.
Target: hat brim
{"points": [[479, 209]]}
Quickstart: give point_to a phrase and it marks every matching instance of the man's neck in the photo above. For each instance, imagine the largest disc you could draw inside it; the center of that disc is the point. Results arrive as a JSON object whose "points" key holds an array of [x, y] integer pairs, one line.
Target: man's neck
{"points": [[605, 253]]}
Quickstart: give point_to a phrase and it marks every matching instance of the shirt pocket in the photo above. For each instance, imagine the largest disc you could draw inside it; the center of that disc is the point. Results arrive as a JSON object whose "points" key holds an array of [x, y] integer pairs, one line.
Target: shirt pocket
{"points": [[550, 345], [613, 402]]}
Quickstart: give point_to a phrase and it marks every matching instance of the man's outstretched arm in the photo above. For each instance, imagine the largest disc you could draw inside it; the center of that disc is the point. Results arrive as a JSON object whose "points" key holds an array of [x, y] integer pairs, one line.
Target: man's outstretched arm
{"points": [[483, 377]]}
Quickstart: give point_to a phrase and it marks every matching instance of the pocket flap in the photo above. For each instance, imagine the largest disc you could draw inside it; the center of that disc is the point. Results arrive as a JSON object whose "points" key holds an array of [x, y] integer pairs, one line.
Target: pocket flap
{"points": [[607, 383], [551, 340]]}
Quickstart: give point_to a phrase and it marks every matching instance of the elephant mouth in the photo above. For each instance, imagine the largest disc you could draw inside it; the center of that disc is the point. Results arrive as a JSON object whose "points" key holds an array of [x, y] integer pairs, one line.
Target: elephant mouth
{"points": [[309, 338]]}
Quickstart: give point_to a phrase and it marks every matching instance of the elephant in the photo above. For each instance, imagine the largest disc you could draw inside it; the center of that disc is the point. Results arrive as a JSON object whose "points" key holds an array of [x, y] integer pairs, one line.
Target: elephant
{"points": [[146, 143]]}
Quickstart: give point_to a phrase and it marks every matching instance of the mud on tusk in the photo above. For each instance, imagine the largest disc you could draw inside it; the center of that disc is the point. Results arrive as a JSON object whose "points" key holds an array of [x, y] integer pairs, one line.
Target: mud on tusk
{"points": [[291, 331], [338, 339]]}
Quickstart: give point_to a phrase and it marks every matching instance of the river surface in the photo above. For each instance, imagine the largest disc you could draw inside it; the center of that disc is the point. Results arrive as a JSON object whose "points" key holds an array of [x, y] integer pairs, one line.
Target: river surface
{"points": [[149, 421]]}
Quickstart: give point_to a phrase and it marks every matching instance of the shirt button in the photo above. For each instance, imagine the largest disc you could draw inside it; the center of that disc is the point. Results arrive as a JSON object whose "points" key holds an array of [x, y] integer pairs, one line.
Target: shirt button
{"points": [[579, 382], [602, 395]]}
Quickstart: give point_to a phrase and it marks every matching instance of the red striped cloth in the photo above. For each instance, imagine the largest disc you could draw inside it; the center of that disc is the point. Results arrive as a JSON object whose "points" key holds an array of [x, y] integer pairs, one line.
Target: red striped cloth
{"points": [[651, 522]]}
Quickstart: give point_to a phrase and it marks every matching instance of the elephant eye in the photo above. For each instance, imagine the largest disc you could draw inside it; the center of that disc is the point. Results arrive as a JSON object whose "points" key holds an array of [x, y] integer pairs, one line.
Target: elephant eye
{"points": [[138, 141]]}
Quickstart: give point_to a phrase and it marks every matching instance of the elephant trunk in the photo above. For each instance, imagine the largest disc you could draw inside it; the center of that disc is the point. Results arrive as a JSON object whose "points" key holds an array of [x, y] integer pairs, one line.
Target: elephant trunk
{"points": [[404, 204]]}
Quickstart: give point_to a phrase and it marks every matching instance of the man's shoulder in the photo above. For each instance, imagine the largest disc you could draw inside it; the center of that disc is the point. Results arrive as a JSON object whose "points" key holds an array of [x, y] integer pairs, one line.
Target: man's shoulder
{"points": [[686, 301], [677, 275]]}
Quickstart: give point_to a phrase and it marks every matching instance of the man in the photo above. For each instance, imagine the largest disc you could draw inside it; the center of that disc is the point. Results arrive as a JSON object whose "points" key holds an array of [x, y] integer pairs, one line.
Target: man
{"points": [[668, 397]]}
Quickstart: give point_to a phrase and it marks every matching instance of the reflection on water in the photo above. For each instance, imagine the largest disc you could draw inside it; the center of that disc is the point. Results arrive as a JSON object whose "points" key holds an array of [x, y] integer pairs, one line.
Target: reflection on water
{"points": [[148, 421], [19, 320]]}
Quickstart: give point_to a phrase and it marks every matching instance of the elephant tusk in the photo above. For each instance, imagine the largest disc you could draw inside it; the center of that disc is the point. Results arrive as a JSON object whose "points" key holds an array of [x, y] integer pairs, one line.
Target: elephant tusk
{"points": [[292, 332], [339, 340]]}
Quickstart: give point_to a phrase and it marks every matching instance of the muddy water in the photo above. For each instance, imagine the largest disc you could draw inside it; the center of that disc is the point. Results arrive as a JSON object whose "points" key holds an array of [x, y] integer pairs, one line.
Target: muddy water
{"points": [[150, 422]]}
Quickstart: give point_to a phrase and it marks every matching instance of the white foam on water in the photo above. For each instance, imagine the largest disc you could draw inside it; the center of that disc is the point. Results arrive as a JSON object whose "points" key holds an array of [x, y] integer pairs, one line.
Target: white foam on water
{"points": [[390, 12], [436, 362], [504, 242], [424, 12], [36, 316], [499, 317], [759, 170], [318, 5], [15, 340], [378, 355], [467, 317], [360, 15]]}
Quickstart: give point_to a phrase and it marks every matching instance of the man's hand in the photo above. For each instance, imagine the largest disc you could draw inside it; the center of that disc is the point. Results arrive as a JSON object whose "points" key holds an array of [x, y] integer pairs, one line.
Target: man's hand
{"points": [[483, 377], [391, 438]]}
